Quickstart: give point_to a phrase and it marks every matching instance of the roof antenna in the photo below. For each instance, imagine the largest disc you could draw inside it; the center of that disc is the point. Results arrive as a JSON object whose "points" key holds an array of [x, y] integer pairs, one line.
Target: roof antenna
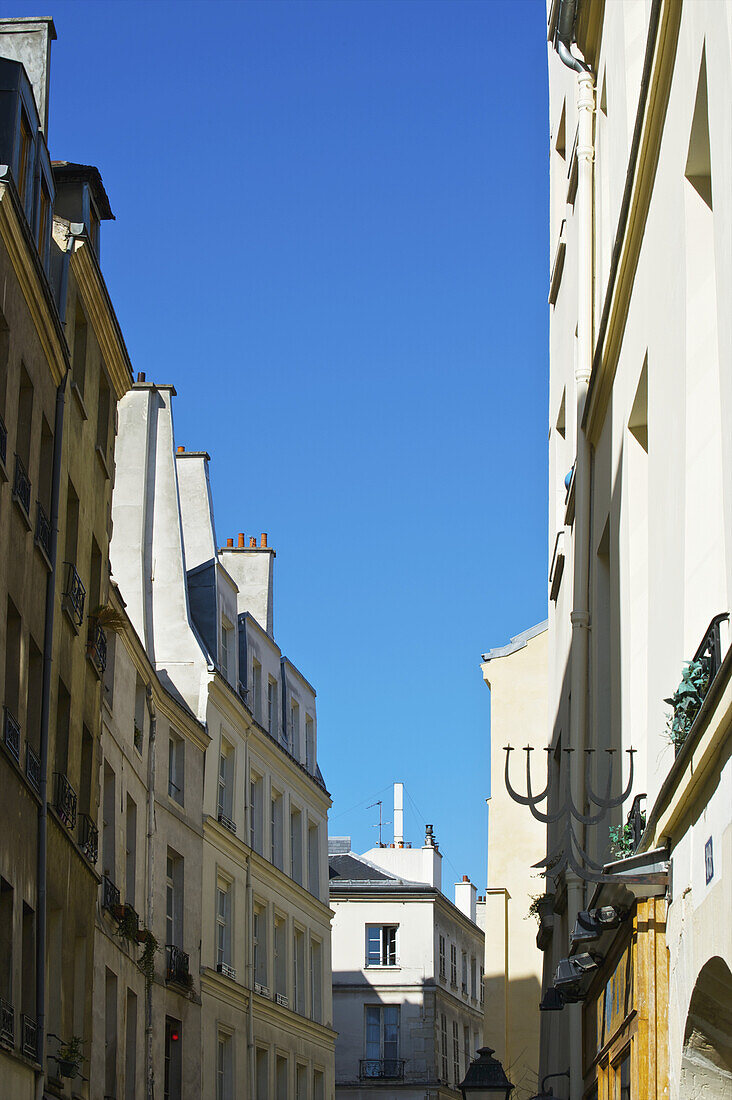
{"points": [[381, 823]]}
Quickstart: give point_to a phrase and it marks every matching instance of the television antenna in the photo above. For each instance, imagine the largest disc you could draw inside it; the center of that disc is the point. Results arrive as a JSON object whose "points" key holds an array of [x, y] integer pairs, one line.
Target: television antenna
{"points": [[380, 824]]}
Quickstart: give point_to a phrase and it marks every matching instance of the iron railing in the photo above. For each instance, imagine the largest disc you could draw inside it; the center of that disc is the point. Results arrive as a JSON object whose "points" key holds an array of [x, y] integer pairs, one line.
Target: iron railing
{"points": [[43, 530], [381, 1067], [22, 485], [176, 965], [110, 894], [65, 800], [29, 1037], [32, 767], [96, 645], [3, 441], [7, 1022], [88, 838], [11, 734], [74, 593]]}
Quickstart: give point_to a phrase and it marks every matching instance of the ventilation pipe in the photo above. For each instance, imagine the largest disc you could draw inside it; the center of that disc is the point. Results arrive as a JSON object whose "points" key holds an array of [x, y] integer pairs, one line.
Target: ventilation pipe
{"points": [[398, 815]]}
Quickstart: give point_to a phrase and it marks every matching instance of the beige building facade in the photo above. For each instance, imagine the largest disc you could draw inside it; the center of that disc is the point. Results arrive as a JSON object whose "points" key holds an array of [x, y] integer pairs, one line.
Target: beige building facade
{"points": [[516, 675], [640, 525]]}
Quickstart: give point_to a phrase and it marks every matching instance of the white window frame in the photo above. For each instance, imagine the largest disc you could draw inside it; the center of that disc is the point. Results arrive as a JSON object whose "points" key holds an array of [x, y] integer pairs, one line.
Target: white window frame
{"points": [[386, 936]]}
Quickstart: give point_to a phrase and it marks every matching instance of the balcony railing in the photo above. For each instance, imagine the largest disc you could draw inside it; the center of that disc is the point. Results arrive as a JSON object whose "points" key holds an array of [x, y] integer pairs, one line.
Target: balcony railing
{"points": [[392, 1068], [110, 894], [3, 442], [11, 734], [96, 646], [22, 485], [32, 767], [65, 800], [88, 838], [698, 676], [29, 1037], [7, 1023], [74, 593], [177, 965], [43, 530]]}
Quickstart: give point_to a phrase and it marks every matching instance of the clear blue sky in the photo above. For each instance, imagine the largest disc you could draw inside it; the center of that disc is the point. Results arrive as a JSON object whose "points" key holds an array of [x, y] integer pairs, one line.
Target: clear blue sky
{"points": [[331, 236]]}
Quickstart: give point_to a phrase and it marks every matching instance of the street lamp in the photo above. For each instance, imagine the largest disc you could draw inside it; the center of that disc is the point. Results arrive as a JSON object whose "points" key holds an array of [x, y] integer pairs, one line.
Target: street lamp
{"points": [[548, 1094], [485, 1078]]}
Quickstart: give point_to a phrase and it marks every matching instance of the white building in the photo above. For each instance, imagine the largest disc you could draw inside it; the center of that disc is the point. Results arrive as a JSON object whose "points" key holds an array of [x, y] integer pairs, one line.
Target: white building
{"points": [[205, 616], [407, 971]]}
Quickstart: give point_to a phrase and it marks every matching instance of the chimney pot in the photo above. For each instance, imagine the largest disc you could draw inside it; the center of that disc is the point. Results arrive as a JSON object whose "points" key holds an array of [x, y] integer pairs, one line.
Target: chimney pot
{"points": [[181, 450], [240, 540], [264, 540], [141, 376], [252, 542], [465, 878], [229, 542]]}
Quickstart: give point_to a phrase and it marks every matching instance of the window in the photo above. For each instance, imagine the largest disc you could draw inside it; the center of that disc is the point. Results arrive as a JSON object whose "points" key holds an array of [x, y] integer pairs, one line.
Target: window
{"points": [[296, 845], [622, 1078], [108, 827], [6, 940], [261, 1072], [464, 972], [272, 706], [260, 945], [281, 1092], [481, 986], [466, 1046], [295, 729], [110, 1032], [316, 981], [301, 1082], [276, 825], [280, 957], [382, 1040], [80, 331], [313, 859], [25, 174], [176, 767], [256, 690], [226, 632], [131, 852], [443, 1047], [443, 966], [104, 404], [138, 729], [256, 794], [473, 977], [381, 941], [224, 1067], [453, 965], [309, 744], [173, 899], [298, 960], [43, 222], [318, 1085], [173, 1060], [131, 1046], [455, 1052], [223, 924], [225, 808]]}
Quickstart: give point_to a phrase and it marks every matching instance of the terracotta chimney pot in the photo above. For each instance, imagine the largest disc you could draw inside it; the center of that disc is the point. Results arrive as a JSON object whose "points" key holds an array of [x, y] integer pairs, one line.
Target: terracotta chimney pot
{"points": [[264, 540], [252, 542], [141, 376], [181, 450], [229, 543], [240, 540]]}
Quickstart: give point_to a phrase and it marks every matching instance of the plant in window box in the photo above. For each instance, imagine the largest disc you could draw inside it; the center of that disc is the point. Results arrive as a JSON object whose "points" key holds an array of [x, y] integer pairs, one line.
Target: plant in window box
{"points": [[146, 961], [128, 924], [687, 700], [542, 906], [108, 618], [69, 1057], [622, 839], [138, 738]]}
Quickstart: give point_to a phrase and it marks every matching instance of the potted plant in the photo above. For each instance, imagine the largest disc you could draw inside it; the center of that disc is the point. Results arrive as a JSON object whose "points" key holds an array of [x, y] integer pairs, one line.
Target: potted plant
{"points": [[68, 1057], [542, 907], [687, 700], [128, 924]]}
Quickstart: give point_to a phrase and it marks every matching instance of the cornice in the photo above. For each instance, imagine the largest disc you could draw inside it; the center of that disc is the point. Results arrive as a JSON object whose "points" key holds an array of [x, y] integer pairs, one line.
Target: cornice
{"points": [[23, 257], [99, 310]]}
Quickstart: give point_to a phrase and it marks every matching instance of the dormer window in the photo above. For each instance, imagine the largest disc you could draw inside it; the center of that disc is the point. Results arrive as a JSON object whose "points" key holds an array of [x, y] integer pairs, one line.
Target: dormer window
{"points": [[25, 160], [225, 654]]}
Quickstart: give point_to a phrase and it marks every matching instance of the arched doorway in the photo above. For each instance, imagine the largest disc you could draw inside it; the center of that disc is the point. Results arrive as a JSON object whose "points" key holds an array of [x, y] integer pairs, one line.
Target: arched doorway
{"points": [[706, 1061]]}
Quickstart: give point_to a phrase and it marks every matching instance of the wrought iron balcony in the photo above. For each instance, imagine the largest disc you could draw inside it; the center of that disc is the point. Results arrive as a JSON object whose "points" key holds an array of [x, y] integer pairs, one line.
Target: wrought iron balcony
{"points": [[21, 486], [11, 734], [88, 838], [110, 894], [43, 530], [29, 1037], [74, 593], [96, 646], [177, 965], [3, 442], [32, 767], [65, 802], [7, 1023], [392, 1068]]}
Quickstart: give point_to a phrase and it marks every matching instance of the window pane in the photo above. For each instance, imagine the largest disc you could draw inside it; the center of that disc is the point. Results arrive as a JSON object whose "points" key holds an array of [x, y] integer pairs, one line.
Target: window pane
{"points": [[373, 946]]}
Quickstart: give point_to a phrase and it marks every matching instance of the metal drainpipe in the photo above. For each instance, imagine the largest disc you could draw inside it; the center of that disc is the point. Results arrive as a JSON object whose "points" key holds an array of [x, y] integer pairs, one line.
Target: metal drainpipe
{"points": [[580, 615], [149, 1031], [42, 843], [249, 938]]}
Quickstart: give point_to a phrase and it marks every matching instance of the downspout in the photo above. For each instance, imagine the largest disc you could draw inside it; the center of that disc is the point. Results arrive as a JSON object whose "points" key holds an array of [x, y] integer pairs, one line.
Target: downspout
{"points": [[580, 615], [149, 1067], [285, 734], [249, 937], [42, 843]]}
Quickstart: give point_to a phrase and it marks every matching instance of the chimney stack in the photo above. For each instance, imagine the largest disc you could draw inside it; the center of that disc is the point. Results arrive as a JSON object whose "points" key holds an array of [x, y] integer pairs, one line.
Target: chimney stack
{"points": [[398, 815], [465, 897], [141, 376], [239, 541]]}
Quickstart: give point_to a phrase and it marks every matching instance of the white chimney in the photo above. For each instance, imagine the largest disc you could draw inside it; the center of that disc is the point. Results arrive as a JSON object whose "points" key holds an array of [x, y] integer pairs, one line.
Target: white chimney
{"points": [[465, 895], [398, 815]]}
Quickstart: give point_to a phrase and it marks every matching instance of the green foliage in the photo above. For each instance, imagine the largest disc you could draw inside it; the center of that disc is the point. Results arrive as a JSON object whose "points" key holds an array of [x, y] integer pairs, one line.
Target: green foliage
{"points": [[541, 904], [127, 924], [146, 962], [687, 700], [622, 840], [69, 1056]]}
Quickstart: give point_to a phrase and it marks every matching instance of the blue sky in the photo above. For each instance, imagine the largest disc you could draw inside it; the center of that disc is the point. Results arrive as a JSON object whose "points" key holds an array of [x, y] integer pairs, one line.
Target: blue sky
{"points": [[331, 236]]}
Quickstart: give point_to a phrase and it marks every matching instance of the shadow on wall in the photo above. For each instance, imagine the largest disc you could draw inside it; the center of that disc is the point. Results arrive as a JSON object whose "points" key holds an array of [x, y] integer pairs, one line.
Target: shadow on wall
{"points": [[706, 1061], [516, 1041]]}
